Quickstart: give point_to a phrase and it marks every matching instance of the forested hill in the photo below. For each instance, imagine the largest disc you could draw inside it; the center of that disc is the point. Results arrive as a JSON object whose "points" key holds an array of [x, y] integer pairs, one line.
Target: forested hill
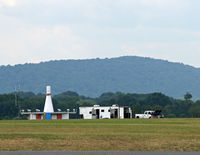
{"points": [[94, 76]]}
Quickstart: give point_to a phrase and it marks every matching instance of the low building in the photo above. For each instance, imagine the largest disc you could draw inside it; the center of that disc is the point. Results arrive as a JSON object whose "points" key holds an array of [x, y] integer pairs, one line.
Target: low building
{"points": [[47, 116], [48, 113], [105, 112]]}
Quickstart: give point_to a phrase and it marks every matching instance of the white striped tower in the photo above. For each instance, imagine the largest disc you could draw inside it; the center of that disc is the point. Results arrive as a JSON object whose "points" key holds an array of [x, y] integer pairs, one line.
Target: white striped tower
{"points": [[48, 107]]}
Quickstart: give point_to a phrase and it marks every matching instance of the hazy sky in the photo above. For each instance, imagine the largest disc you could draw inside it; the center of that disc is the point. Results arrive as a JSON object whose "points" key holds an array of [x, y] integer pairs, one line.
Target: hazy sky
{"points": [[41, 30]]}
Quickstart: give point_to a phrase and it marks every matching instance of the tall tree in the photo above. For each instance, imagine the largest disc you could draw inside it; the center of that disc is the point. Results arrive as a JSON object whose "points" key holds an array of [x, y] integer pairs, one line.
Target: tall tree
{"points": [[188, 96]]}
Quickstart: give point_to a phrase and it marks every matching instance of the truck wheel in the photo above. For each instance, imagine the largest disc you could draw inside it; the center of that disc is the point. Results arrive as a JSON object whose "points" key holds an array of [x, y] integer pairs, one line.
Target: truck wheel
{"points": [[149, 117], [137, 117]]}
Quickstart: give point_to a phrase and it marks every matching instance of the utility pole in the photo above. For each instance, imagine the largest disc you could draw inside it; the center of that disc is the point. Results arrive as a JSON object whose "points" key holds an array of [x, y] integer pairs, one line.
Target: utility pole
{"points": [[17, 90], [15, 96]]}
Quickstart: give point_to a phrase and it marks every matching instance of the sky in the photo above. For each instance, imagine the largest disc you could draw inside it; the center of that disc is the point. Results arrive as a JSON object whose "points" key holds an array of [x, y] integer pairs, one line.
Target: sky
{"points": [[32, 31]]}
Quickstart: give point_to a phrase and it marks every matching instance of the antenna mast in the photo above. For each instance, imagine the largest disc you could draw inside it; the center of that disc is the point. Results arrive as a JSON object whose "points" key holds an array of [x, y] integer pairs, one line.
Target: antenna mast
{"points": [[17, 90]]}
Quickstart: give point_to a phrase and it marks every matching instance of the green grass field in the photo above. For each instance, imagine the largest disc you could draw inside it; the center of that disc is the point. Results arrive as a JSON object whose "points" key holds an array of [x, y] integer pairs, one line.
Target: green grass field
{"points": [[121, 135]]}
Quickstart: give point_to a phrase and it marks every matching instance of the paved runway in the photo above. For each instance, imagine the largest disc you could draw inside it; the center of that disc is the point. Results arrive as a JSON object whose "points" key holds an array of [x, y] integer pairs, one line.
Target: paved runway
{"points": [[93, 153]]}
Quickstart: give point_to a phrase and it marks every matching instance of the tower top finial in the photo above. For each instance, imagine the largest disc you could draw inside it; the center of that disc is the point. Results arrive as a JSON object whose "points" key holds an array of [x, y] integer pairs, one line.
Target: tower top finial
{"points": [[48, 90]]}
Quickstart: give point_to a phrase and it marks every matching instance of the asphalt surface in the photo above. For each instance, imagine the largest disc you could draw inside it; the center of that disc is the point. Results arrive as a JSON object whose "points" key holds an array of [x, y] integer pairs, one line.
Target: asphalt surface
{"points": [[93, 153]]}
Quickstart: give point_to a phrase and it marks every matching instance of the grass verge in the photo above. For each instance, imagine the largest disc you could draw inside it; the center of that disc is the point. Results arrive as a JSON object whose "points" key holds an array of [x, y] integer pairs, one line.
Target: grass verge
{"points": [[89, 135]]}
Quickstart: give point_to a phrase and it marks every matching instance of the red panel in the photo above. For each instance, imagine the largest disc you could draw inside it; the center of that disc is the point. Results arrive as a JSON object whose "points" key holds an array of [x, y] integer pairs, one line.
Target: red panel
{"points": [[38, 117], [59, 116]]}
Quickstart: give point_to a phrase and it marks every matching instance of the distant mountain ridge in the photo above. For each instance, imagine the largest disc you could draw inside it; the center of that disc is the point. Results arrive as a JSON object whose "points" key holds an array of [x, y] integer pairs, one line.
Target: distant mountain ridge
{"points": [[92, 77]]}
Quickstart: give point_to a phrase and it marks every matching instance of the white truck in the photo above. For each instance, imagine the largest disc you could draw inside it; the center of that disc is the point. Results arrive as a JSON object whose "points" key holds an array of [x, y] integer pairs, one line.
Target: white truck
{"points": [[150, 114]]}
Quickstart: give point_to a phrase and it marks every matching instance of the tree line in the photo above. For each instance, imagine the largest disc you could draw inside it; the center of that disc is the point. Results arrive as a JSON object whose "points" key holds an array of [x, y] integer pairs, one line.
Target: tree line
{"points": [[11, 104]]}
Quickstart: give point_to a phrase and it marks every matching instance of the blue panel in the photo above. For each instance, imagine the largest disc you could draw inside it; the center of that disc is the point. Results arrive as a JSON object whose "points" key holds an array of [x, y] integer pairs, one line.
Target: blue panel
{"points": [[48, 116]]}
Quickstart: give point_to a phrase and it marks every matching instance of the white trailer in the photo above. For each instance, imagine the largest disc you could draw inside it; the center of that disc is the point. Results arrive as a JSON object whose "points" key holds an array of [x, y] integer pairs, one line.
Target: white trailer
{"points": [[105, 112]]}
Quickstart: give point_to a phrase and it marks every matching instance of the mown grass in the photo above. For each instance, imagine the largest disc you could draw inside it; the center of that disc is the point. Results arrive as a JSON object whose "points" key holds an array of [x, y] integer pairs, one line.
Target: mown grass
{"points": [[119, 135]]}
